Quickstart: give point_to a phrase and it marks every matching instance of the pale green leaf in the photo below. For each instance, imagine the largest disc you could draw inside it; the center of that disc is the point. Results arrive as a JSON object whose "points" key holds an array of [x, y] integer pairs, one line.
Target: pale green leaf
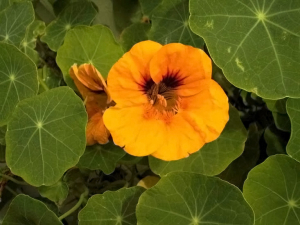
{"points": [[255, 43], [46, 136], [111, 208], [187, 198], [170, 24], [101, 157], [272, 190], [18, 80], [78, 13], [94, 45], [213, 157], [57, 192], [24, 210], [14, 21]]}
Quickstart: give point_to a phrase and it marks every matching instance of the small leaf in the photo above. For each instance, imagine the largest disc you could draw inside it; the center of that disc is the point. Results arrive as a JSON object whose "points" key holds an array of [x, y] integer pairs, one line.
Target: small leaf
{"points": [[18, 80], [112, 207], [28, 211], [101, 157], [278, 108], [14, 20], [170, 24], [78, 13], [213, 157], [255, 43], [272, 190], [276, 141], [57, 192], [46, 136], [188, 198], [94, 45]]}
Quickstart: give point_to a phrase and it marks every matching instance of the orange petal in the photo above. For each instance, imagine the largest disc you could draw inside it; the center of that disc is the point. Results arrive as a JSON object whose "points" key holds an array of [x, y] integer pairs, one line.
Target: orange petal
{"points": [[96, 132], [188, 65], [140, 136], [208, 109], [83, 90], [128, 75]]}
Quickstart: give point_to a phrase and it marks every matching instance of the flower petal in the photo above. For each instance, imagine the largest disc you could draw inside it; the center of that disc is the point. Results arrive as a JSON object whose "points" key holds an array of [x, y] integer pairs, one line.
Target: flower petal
{"points": [[128, 76], [188, 65], [96, 132], [208, 109]]}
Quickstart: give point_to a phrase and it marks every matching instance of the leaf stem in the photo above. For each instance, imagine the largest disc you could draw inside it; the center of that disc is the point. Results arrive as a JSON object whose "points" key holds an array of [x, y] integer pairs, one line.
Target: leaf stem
{"points": [[11, 190], [44, 85], [75, 207], [13, 179]]}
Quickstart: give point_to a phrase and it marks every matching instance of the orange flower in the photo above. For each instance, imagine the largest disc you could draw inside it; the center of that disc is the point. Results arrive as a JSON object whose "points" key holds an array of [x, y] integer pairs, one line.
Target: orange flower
{"points": [[93, 90], [167, 105]]}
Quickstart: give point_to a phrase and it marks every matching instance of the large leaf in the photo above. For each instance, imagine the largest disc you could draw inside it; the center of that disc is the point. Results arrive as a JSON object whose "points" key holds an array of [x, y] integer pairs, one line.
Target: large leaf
{"points": [[18, 79], [293, 110], [272, 190], [213, 157], [188, 198], [256, 43], [14, 20], [111, 208], [46, 136], [94, 45], [103, 157], [170, 24], [78, 13], [28, 211]]}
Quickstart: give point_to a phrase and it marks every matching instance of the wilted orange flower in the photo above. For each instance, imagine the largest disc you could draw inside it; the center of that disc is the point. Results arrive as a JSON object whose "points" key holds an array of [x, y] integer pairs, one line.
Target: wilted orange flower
{"points": [[167, 105], [93, 90]]}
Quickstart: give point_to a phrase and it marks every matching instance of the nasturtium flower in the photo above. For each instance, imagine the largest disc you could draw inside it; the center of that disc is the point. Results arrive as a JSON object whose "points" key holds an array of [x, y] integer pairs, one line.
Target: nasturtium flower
{"points": [[93, 90], [167, 105]]}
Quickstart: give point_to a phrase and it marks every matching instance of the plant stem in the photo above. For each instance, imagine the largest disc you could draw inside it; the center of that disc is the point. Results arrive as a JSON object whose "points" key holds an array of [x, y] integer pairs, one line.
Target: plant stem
{"points": [[75, 207], [11, 190], [13, 179], [44, 85]]}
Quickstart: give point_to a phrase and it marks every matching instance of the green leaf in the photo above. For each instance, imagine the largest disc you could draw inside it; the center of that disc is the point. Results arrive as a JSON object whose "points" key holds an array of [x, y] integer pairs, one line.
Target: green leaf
{"points": [[4, 4], [18, 80], [79, 13], [112, 207], [94, 45], [101, 157], [272, 190], [213, 157], [2, 153], [133, 34], [14, 20], [254, 42], [188, 198], [49, 78], [170, 24], [293, 110], [28, 44], [148, 6], [57, 192], [28, 211], [2, 135], [46, 136], [237, 171], [275, 140]]}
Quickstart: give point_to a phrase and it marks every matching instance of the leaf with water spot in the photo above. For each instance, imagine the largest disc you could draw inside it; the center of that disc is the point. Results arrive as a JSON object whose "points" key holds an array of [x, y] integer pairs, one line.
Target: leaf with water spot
{"points": [[170, 24], [255, 43], [112, 207], [272, 190], [188, 198], [28, 211], [78, 13], [46, 136], [18, 80], [213, 157], [14, 21]]}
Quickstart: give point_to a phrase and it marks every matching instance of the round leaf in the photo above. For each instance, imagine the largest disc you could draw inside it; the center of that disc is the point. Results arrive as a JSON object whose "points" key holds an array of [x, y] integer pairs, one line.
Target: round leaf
{"points": [[272, 190], [28, 211], [46, 136], [293, 110], [112, 207], [18, 80], [94, 45], [170, 24], [187, 198], [256, 43], [213, 157], [103, 157]]}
